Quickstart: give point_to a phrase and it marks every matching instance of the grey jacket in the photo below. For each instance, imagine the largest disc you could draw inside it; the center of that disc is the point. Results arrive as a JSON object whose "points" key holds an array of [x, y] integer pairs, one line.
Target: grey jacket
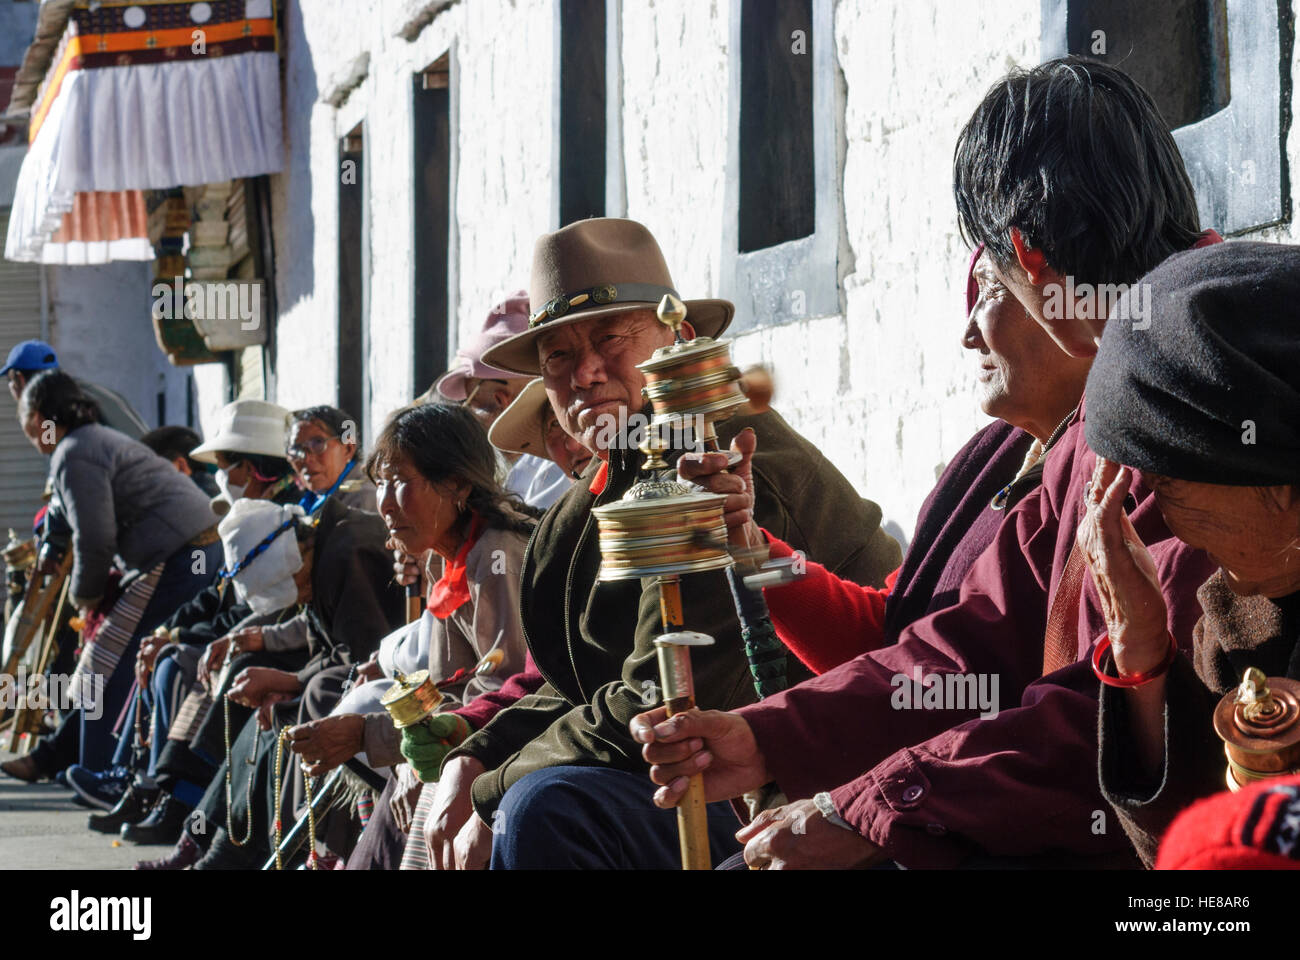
{"points": [[121, 499]]}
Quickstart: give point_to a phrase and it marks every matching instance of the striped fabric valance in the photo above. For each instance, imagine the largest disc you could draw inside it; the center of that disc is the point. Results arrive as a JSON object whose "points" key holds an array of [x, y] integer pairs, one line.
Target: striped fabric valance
{"points": [[140, 96]]}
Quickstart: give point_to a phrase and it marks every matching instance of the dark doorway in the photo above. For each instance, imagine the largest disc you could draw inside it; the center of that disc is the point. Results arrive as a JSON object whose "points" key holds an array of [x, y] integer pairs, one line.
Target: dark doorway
{"points": [[582, 109], [351, 338], [777, 195], [432, 199]]}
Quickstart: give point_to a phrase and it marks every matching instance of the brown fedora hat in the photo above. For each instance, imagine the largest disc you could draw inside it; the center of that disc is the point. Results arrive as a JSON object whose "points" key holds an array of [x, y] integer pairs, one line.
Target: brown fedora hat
{"points": [[596, 268]]}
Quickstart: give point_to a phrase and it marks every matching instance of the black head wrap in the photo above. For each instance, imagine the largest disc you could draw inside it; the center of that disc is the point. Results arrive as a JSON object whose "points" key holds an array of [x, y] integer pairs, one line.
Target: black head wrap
{"points": [[1206, 385]]}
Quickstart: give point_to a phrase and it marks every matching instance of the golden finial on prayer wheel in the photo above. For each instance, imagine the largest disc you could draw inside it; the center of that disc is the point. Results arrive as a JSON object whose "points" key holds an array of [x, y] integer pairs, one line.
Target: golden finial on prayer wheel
{"points": [[671, 313]]}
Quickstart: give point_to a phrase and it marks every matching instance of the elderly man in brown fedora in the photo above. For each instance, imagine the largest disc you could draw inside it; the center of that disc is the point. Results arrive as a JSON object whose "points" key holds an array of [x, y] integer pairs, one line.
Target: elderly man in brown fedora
{"points": [[557, 774]]}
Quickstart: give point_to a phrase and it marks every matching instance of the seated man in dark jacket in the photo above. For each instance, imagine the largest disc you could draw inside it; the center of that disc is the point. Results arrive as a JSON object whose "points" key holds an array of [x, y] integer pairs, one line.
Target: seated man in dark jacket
{"points": [[594, 642]]}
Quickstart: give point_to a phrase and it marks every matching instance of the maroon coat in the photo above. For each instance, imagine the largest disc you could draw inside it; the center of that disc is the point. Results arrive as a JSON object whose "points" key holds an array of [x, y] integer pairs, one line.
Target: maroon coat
{"points": [[933, 786]]}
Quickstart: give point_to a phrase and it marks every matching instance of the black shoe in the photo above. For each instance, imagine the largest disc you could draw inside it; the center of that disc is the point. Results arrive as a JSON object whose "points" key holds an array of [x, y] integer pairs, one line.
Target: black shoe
{"points": [[224, 855], [163, 825], [132, 808]]}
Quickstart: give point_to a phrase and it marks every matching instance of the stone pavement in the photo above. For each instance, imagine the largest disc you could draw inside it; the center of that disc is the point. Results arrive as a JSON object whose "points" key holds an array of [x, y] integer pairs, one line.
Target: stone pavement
{"points": [[42, 829]]}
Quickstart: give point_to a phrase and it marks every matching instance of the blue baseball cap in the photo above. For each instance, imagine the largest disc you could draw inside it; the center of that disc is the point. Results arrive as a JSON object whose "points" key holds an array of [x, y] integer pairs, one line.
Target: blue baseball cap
{"points": [[31, 355]]}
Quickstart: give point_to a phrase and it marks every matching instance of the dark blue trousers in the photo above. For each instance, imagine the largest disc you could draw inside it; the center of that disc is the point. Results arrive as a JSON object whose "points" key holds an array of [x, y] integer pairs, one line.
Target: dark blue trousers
{"points": [[177, 585], [595, 818], [161, 696]]}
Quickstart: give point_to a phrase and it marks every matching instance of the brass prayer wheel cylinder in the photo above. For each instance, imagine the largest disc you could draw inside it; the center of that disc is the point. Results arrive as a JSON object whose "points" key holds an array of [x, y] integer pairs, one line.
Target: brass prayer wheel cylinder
{"points": [[19, 554], [659, 529], [412, 698], [693, 378], [1259, 723]]}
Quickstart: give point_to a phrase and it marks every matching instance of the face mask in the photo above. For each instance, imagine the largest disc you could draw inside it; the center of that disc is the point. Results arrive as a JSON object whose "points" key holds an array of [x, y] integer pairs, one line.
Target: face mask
{"points": [[231, 491]]}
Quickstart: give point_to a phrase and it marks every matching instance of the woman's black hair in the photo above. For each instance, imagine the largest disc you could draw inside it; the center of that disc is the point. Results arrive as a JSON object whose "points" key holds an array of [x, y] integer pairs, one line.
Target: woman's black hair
{"points": [[57, 398], [1075, 155], [173, 441], [338, 422], [444, 442]]}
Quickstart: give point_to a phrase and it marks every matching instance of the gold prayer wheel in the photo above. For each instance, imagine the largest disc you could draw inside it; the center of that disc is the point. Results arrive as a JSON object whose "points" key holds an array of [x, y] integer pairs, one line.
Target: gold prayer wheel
{"points": [[19, 554], [690, 379], [673, 532], [411, 698], [661, 528], [20, 557], [1259, 723]]}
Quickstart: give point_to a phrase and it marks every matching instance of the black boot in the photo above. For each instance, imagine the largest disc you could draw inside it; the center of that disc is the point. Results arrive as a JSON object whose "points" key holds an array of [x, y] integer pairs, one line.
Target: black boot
{"points": [[132, 808], [224, 855], [163, 825]]}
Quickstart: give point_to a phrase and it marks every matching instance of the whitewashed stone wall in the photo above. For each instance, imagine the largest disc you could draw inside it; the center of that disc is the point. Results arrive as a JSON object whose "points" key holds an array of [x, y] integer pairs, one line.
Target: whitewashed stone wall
{"points": [[885, 389]]}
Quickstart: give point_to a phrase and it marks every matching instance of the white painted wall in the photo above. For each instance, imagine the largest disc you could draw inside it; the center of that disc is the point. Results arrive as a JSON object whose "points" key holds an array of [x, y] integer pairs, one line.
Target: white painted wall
{"points": [[885, 389]]}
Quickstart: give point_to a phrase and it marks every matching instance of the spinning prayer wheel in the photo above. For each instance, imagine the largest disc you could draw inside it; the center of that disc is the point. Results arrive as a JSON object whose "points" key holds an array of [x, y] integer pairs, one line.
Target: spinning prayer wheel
{"points": [[411, 698], [1259, 723], [661, 528], [690, 379]]}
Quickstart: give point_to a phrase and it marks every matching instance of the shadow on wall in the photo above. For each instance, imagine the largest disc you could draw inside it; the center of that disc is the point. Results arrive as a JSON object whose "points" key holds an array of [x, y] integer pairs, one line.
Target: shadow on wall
{"points": [[294, 223]]}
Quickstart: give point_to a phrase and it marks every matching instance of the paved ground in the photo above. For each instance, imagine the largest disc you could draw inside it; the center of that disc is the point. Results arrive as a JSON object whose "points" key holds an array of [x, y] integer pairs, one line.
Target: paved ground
{"points": [[42, 829]]}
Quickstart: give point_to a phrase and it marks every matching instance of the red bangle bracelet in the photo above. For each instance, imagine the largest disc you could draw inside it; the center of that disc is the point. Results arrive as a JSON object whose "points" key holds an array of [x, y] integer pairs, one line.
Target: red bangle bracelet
{"points": [[1132, 679]]}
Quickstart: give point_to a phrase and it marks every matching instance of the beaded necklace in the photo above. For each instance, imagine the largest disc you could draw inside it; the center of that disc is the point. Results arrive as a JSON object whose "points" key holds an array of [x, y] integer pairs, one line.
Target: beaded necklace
{"points": [[1037, 451]]}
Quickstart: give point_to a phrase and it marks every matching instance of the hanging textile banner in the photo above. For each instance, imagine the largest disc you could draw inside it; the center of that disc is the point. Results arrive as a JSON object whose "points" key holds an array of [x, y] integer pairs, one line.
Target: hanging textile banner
{"points": [[140, 96]]}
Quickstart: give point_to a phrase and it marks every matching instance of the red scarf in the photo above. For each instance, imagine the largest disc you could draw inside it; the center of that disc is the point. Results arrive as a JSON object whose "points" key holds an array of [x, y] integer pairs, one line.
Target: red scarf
{"points": [[451, 592], [600, 479]]}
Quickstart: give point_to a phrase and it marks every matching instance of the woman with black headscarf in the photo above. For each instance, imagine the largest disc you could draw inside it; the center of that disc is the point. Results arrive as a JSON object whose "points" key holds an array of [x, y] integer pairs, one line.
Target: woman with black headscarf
{"points": [[1204, 400]]}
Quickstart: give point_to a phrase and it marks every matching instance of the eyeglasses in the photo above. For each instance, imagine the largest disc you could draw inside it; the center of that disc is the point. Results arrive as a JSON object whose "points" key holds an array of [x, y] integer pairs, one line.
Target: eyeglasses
{"points": [[313, 446]]}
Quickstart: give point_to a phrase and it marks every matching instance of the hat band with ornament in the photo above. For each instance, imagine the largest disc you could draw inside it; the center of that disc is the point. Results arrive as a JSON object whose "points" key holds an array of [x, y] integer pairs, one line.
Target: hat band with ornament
{"points": [[600, 295]]}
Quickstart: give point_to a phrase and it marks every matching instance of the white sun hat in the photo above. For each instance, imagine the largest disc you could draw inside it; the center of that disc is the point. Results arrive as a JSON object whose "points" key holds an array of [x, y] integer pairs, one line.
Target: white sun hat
{"points": [[247, 426]]}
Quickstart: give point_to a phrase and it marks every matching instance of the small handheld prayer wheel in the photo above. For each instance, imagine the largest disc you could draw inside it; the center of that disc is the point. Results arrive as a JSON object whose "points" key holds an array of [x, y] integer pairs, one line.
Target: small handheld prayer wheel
{"points": [[661, 528], [665, 529], [1259, 723], [690, 379], [411, 699], [20, 557]]}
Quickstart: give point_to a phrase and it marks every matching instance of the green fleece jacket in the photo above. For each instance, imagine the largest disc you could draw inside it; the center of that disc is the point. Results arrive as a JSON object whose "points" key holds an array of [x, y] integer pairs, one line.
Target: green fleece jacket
{"points": [[594, 642]]}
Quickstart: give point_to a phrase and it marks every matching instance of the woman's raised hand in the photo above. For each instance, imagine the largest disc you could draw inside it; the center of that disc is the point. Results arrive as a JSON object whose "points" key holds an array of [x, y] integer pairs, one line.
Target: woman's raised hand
{"points": [[1124, 573]]}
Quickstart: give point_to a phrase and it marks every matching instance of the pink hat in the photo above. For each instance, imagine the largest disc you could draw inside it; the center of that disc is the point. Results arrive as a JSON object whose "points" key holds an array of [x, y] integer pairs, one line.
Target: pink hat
{"points": [[504, 321]]}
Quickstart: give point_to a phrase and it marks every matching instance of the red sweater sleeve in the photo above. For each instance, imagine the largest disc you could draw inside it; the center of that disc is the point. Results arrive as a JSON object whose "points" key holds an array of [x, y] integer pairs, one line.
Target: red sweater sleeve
{"points": [[486, 705], [826, 621]]}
